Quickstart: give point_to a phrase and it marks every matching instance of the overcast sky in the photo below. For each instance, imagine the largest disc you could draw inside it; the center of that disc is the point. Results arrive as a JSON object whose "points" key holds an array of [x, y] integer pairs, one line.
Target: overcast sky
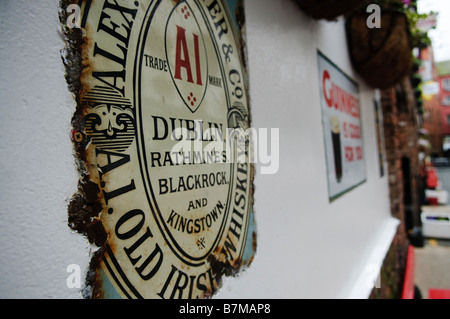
{"points": [[441, 35]]}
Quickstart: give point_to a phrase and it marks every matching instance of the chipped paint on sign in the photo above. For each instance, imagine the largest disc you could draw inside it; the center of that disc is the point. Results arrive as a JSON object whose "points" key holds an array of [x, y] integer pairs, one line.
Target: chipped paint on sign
{"points": [[161, 92]]}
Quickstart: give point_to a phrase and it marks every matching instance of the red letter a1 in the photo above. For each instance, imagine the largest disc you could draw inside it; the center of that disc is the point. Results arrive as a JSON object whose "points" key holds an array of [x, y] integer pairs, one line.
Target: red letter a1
{"points": [[184, 62]]}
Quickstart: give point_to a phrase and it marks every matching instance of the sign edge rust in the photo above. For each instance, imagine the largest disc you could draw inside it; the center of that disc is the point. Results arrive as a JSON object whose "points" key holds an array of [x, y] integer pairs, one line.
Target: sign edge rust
{"points": [[87, 203]]}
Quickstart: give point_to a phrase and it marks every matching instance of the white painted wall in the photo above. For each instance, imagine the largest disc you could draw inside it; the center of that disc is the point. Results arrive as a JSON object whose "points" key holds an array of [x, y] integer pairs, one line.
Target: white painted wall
{"points": [[37, 171], [307, 247]]}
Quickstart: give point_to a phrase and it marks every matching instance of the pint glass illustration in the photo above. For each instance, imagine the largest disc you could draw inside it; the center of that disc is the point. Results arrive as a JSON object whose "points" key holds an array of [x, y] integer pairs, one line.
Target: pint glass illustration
{"points": [[336, 140]]}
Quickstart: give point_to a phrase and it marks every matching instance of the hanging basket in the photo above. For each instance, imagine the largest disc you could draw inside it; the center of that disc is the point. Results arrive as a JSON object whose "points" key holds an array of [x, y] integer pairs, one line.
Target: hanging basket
{"points": [[381, 56], [328, 9]]}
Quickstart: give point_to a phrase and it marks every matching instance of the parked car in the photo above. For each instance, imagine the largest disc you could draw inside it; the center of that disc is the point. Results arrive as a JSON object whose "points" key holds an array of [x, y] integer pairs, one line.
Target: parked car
{"points": [[440, 161]]}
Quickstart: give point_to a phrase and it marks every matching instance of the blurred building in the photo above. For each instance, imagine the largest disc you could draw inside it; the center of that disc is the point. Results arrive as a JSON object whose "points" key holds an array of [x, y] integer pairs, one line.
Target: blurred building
{"points": [[443, 73], [432, 115]]}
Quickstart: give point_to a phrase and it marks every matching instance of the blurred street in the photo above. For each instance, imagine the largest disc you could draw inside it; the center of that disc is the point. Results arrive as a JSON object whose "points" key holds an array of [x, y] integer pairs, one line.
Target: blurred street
{"points": [[432, 269]]}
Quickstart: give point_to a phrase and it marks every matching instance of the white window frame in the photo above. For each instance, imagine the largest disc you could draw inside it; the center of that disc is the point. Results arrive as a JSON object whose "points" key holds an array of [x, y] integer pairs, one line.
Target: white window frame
{"points": [[446, 84], [446, 100]]}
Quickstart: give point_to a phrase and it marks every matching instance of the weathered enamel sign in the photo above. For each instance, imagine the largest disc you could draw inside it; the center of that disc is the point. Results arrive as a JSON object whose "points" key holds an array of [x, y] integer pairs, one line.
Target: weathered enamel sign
{"points": [[159, 131]]}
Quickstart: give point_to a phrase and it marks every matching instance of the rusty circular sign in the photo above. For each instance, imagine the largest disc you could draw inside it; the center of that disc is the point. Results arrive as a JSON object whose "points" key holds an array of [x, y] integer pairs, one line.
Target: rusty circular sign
{"points": [[163, 133]]}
